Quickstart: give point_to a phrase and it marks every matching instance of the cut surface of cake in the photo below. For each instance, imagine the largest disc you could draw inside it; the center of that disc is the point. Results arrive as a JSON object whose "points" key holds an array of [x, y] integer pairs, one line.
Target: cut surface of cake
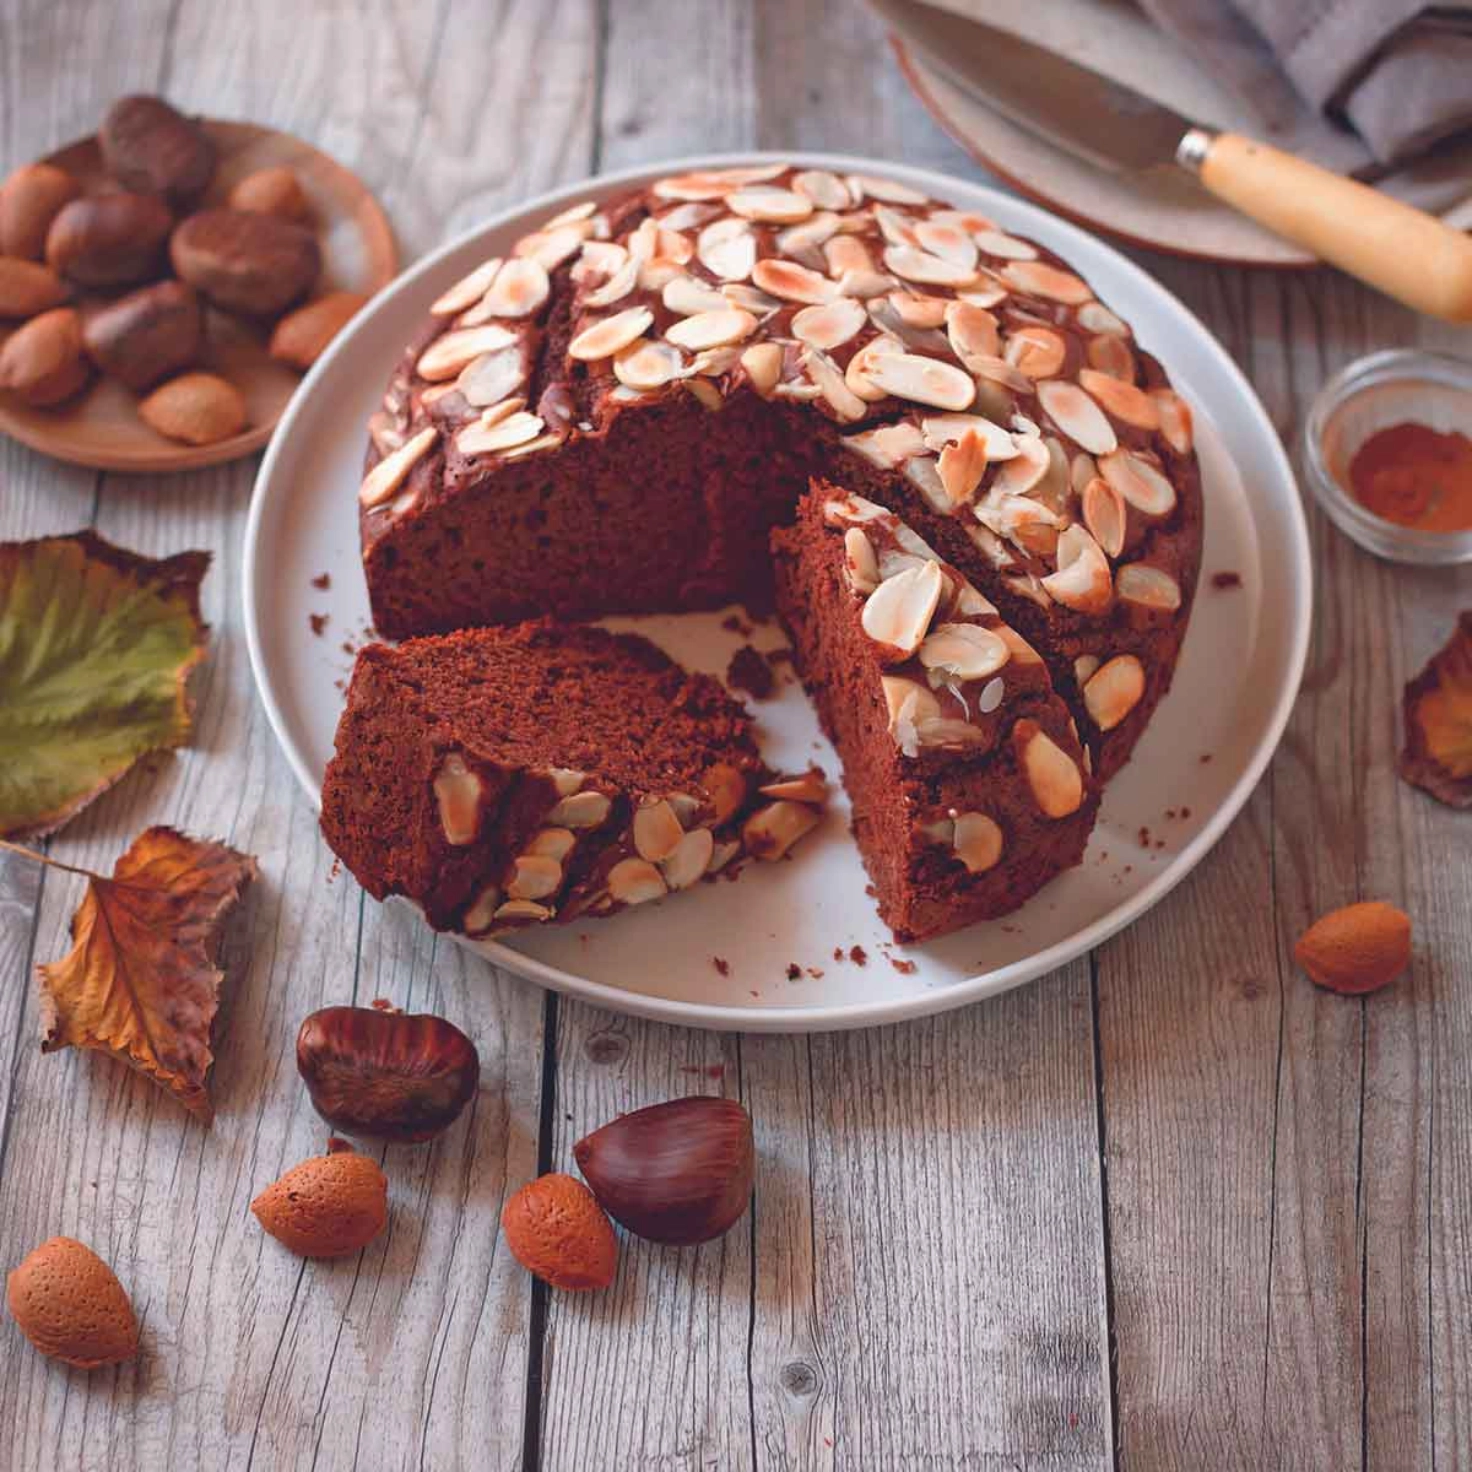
{"points": [[969, 787], [612, 418], [505, 778]]}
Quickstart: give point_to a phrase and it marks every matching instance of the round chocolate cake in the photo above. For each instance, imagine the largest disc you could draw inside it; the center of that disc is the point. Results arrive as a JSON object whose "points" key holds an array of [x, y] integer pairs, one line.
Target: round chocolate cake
{"points": [[616, 417]]}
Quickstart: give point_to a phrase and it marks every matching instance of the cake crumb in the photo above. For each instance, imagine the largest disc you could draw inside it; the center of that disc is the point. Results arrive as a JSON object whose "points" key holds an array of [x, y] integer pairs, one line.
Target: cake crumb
{"points": [[318, 622], [905, 968], [1226, 580], [858, 955], [1185, 813], [322, 582], [722, 965], [794, 971], [838, 953], [748, 671], [735, 624], [816, 972], [335, 870], [705, 1070], [1144, 836], [1205, 757], [382, 1004]]}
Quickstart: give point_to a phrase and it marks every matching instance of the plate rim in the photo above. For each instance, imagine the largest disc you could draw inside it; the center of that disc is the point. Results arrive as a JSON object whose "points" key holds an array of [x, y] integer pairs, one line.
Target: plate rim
{"points": [[821, 1018]]}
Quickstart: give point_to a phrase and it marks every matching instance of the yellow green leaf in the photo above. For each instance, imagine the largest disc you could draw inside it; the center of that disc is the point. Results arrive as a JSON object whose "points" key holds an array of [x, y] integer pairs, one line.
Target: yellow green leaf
{"points": [[96, 645]]}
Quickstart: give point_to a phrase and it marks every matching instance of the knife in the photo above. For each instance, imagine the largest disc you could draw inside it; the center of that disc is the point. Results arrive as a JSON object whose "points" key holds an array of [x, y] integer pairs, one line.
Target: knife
{"points": [[1392, 246]]}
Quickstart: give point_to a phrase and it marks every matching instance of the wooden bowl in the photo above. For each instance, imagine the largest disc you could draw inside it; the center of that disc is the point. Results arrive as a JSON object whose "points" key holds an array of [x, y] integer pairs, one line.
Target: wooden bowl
{"points": [[101, 428]]}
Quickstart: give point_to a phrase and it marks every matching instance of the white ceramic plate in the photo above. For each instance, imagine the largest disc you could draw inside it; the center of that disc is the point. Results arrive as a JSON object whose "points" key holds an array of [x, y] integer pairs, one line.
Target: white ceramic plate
{"points": [[1235, 683]]}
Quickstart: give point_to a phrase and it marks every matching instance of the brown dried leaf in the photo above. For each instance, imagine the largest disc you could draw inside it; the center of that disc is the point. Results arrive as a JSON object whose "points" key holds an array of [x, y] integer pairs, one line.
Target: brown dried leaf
{"points": [[1438, 716], [141, 980]]}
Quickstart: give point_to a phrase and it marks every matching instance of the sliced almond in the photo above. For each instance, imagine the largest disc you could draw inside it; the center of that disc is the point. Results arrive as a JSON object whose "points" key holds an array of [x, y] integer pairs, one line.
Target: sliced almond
{"points": [[468, 290], [888, 190], [602, 339], [770, 832], [1084, 667], [492, 377], [977, 840], [1096, 317], [382, 483], [830, 381], [948, 731], [856, 375], [646, 366], [457, 794], [725, 786], [656, 831], [845, 254], [1175, 419], [550, 248], [972, 331], [600, 260], [581, 810], [479, 916], [494, 435], [763, 364], [534, 877], [565, 780], [963, 651], [447, 355], [1028, 465], [523, 910], [635, 882], [1082, 581], [1114, 691], [1139, 482], [804, 242], [1076, 415], [1111, 355], [712, 329], [532, 447], [520, 289], [921, 380], [686, 296], [939, 831], [791, 282], [831, 325], [689, 859], [825, 190], [961, 466], [940, 430], [809, 788], [897, 614], [1056, 782], [993, 691], [948, 242], [1148, 587], [1104, 515], [1123, 400], [1037, 278], [890, 445], [861, 566], [1081, 470], [924, 312], [584, 209], [1036, 351], [623, 280], [908, 704], [769, 203], [727, 249], [912, 264], [552, 843], [714, 183], [1009, 247]]}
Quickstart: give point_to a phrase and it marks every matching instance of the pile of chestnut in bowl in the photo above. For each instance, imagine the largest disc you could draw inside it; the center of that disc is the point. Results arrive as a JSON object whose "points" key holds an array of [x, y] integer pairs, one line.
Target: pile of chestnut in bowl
{"points": [[115, 281]]}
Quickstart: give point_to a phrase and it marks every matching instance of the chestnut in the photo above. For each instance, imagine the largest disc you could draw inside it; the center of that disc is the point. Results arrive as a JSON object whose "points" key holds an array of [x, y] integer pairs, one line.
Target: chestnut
{"points": [[676, 1173], [388, 1074]]}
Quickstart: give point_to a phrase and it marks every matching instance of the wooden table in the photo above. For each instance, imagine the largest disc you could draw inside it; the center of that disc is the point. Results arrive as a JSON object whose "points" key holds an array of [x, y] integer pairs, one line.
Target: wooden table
{"points": [[1171, 1207]]}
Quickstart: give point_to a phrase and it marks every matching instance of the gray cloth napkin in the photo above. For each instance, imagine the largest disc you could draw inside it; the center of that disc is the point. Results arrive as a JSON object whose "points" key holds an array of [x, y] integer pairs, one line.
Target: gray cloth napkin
{"points": [[1397, 72]]}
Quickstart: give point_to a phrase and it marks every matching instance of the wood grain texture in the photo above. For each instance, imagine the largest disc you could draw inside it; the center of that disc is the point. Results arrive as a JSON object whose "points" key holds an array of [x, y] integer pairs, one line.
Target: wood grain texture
{"points": [[1170, 1208]]}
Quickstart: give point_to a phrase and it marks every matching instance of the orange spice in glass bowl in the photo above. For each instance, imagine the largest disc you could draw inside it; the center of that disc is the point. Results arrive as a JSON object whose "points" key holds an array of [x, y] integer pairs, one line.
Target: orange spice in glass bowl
{"points": [[1388, 452]]}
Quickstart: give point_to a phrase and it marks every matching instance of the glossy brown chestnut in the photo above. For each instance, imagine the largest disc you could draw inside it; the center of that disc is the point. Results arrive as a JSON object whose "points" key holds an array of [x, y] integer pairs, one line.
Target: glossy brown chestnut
{"points": [[391, 1075], [676, 1173]]}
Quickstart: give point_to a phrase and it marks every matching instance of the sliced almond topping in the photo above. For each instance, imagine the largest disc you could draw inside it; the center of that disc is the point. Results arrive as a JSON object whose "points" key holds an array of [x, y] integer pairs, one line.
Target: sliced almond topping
{"points": [[949, 242], [599, 261], [725, 786], [1036, 278], [583, 210], [920, 266], [1175, 419], [967, 220], [534, 877], [978, 841], [715, 183], [920, 311], [492, 377], [1104, 515], [550, 248], [968, 602], [447, 355], [689, 859], [826, 190], [809, 788], [1139, 482], [845, 253], [1036, 351], [993, 691], [552, 843], [457, 794], [1028, 465], [565, 780], [972, 331], [648, 365], [964, 651], [1121, 399], [961, 466], [520, 289], [909, 705], [792, 283], [1084, 667], [763, 364], [856, 375], [604, 338], [923, 474], [766, 202], [887, 190], [689, 216], [1077, 415], [1009, 247], [479, 916], [1081, 470], [1082, 581], [940, 831], [1148, 587], [1096, 317], [948, 731], [988, 290], [712, 329], [1111, 355], [771, 831], [830, 381], [581, 810], [482, 437], [1114, 691], [804, 242], [623, 280], [635, 882], [861, 566], [523, 910], [467, 290], [831, 325], [383, 481], [921, 380], [686, 296], [727, 249], [944, 429], [898, 612], [706, 392], [1056, 782], [656, 831], [532, 447], [890, 445]]}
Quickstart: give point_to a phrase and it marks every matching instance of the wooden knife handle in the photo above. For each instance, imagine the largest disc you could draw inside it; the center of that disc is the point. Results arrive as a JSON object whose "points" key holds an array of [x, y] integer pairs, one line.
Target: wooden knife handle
{"points": [[1392, 246]]}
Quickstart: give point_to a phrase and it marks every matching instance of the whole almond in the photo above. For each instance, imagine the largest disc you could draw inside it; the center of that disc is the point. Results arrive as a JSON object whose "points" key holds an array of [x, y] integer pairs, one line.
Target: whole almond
{"points": [[301, 336], [557, 1231], [42, 362], [274, 191], [151, 147], [246, 262], [28, 287], [70, 1305], [109, 239], [329, 1206], [1357, 949], [197, 408], [146, 335], [29, 201]]}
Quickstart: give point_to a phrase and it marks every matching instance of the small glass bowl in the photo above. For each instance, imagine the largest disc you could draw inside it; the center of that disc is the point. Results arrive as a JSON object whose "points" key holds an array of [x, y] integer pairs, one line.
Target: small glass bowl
{"points": [[1372, 394]]}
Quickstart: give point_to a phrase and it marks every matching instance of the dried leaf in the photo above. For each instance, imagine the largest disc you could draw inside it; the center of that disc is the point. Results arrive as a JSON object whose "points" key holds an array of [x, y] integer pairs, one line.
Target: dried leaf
{"points": [[141, 980], [1438, 714], [96, 644]]}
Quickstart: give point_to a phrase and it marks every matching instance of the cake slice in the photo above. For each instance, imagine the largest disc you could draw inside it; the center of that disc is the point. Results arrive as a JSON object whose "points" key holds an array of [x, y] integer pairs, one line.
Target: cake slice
{"points": [[970, 789], [505, 778]]}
